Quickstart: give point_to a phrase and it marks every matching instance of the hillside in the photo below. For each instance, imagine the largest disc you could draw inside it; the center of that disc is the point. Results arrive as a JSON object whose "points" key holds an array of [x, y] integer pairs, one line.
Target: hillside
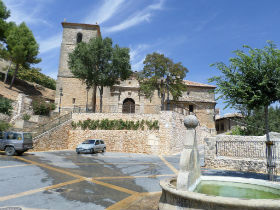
{"points": [[27, 88]]}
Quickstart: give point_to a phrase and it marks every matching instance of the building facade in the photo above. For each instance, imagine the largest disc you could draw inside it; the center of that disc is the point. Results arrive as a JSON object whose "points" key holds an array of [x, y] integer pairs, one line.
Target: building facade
{"points": [[71, 93]]}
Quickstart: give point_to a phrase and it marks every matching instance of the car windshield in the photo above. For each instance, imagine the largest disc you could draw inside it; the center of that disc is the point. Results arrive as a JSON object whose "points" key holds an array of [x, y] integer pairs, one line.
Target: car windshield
{"points": [[89, 142]]}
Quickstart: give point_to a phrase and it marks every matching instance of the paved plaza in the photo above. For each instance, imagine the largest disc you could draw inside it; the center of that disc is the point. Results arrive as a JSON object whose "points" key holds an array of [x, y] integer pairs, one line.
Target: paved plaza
{"points": [[63, 180]]}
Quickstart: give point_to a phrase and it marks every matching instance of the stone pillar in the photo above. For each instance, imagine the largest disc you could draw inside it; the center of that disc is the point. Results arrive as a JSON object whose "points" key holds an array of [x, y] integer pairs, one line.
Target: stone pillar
{"points": [[189, 174]]}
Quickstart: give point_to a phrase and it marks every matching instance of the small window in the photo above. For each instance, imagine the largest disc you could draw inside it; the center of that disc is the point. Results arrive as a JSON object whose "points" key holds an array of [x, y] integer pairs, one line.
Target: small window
{"points": [[73, 100], [79, 37], [190, 108], [97, 142]]}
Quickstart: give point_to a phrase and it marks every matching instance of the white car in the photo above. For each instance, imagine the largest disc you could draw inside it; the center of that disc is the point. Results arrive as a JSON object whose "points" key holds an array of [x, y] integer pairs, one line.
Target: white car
{"points": [[91, 146]]}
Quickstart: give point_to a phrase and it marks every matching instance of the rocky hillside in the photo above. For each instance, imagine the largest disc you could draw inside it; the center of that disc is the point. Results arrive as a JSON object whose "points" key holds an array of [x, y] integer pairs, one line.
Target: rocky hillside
{"points": [[26, 88]]}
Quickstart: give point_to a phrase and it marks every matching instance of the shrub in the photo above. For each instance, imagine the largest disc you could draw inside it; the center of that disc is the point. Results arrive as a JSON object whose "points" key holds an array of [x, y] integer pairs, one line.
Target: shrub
{"points": [[107, 124], [41, 107], [4, 126], [26, 117], [5, 105]]}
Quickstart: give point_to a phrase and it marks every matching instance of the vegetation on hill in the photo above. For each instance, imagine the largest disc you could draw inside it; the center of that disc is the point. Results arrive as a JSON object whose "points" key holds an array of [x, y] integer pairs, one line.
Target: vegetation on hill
{"points": [[5, 106], [34, 75], [4, 126], [99, 64], [255, 125], [41, 107]]}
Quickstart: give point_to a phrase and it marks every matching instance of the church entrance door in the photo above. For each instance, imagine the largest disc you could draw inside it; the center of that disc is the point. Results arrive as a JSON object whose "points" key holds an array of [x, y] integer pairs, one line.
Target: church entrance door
{"points": [[128, 106]]}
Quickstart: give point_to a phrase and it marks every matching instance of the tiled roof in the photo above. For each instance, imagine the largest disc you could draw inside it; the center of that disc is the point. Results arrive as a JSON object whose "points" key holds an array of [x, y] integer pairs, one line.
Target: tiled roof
{"points": [[196, 84]]}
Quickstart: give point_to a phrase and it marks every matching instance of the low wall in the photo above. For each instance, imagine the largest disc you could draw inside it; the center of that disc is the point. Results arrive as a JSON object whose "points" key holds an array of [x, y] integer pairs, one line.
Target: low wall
{"points": [[242, 153]]}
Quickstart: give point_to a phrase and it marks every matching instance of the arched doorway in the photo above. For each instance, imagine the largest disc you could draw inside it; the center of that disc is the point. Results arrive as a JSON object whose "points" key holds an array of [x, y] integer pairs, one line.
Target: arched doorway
{"points": [[128, 106]]}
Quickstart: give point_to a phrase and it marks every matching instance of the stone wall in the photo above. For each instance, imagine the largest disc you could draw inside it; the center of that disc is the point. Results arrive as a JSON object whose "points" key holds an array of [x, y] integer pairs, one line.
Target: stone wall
{"points": [[55, 139], [250, 152], [167, 140]]}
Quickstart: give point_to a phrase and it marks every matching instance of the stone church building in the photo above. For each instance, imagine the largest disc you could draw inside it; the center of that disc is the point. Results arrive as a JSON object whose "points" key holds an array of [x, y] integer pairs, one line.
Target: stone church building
{"points": [[72, 95]]}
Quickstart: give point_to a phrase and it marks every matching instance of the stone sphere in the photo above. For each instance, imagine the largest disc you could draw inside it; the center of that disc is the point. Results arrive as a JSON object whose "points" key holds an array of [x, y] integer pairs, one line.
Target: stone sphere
{"points": [[191, 121]]}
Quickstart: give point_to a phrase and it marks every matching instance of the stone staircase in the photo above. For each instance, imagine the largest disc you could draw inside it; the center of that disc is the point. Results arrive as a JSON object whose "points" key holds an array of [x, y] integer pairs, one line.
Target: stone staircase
{"points": [[52, 125]]}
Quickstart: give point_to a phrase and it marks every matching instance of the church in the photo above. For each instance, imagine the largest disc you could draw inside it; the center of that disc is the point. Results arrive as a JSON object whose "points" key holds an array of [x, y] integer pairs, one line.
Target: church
{"points": [[72, 95]]}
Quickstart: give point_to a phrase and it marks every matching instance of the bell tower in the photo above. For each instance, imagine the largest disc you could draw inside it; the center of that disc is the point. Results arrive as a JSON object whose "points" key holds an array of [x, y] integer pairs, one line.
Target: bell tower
{"points": [[70, 90]]}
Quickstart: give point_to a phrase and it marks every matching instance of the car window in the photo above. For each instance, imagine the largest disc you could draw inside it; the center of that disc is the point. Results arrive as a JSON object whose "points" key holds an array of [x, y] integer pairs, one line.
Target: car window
{"points": [[14, 136], [97, 142], [101, 142], [86, 142], [92, 141], [1, 135]]}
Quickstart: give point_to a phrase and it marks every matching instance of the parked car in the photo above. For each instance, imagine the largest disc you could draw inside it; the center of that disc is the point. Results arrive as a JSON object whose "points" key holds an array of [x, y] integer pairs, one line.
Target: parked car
{"points": [[15, 142], [91, 146]]}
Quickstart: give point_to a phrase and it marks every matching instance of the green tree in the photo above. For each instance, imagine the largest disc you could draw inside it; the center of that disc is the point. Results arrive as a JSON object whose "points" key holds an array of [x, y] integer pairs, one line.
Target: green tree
{"points": [[22, 47], [158, 70], [4, 15], [254, 125], [99, 64], [251, 80]]}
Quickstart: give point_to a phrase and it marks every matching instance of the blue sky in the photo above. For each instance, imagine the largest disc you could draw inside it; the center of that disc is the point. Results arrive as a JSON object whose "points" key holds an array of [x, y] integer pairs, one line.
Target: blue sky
{"points": [[194, 32]]}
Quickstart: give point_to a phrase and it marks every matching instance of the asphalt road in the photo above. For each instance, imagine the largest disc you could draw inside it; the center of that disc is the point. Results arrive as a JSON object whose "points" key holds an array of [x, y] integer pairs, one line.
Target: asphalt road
{"points": [[63, 180]]}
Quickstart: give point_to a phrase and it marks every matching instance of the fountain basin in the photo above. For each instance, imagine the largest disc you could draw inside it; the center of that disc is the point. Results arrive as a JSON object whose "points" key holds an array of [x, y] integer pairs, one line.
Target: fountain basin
{"points": [[179, 199]]}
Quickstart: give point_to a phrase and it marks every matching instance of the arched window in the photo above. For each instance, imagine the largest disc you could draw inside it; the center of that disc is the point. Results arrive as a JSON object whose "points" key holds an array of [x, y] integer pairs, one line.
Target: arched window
{"points": [[79, 37], [128, 106]]}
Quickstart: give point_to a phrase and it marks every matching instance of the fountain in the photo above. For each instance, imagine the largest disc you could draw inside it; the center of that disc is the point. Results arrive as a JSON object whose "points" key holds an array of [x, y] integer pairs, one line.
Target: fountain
{"points": [[191, 190]]}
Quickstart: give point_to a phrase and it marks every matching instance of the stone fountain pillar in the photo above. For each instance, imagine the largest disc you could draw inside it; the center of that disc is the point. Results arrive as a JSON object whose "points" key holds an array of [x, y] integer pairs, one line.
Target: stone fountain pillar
{"points": [[189, 174]]}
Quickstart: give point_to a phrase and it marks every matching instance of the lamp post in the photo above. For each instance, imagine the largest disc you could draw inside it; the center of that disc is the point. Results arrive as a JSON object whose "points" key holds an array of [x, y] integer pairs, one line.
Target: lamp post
{"points": [[167, 88], [60, 95]]}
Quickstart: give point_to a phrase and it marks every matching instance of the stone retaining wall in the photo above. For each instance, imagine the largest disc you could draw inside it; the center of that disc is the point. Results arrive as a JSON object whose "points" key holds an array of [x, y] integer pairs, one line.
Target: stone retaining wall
{"points": [[55, 139], [167, 140]]}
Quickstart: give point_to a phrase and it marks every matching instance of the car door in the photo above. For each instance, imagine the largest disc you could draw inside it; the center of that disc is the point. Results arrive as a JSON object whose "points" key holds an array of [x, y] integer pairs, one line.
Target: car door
{"points": [[97, 145]]}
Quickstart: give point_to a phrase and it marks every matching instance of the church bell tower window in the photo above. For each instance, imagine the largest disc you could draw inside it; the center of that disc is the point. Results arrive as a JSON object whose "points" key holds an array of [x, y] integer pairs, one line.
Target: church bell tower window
{"points": [[79, 37]]}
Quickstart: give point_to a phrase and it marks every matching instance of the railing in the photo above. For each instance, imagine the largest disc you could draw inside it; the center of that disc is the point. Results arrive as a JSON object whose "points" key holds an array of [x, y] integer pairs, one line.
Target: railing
{"points": [[246, 149], [48, 126]]}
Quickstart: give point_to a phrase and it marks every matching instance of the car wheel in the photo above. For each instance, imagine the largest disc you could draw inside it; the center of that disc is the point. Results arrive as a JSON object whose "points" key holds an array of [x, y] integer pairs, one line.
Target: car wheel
{"points": [[10, 151], [92, 151], [104, 149]]}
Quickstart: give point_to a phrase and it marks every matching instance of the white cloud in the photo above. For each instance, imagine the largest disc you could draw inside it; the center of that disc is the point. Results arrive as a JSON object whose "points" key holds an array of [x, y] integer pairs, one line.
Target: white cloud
{"points": [[105, 12], [137, 56], [136, 18], [50, 43], [22, 11]]}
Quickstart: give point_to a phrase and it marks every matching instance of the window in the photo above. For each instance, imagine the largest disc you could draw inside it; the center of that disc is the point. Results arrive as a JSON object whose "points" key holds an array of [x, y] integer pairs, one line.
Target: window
{"points": [[1, 135], [97, 142], [91, 141], [101, 142], [73, 100], [190, 108], [79, 37]]}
